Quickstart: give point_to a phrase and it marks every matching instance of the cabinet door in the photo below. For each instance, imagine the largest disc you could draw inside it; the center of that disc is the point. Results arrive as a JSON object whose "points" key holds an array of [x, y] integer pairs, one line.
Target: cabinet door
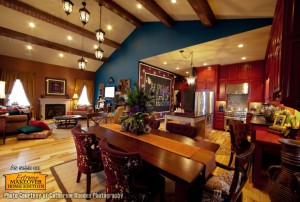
{"points": [[243, 72], [210, 75], [222, 73], [257, 70], [232, 73], [219, 120], [222, 90], [256, 91]]}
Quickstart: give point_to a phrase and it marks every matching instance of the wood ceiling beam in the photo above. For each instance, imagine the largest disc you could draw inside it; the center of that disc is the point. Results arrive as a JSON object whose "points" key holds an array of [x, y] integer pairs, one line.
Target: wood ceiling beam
{"points": [[203, 11], [115, 8], [48, 44], [41, 15], [157, 11]]}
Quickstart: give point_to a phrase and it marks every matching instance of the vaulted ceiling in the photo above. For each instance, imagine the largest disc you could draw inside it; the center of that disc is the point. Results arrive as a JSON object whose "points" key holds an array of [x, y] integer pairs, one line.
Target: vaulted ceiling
{"points": [[52, 27]]}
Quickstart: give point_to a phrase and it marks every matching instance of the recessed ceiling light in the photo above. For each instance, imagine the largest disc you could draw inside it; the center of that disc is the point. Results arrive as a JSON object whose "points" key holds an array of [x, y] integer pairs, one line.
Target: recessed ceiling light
{"points": [[205, 64], [177, 68], [139, 6], [29, 47], [165, 63], [70, 38], [31, 24], [95, 46], [173, 1], [241, 45], [61, 55], [109, 27], [243, 58], [186, 72]]}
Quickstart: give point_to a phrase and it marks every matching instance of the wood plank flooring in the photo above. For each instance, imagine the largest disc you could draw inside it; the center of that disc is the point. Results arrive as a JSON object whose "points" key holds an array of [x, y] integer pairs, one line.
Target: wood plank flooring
{"points": [[49, 152]]}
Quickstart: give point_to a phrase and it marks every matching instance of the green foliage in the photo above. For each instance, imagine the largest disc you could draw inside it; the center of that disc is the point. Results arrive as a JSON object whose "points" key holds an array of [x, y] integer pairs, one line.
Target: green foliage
{"points": [[138, 100]]}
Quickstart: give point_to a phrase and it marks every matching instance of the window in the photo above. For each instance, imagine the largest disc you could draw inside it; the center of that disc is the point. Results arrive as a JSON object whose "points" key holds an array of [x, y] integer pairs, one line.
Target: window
{"points": [[83, 99], [18, 96]]}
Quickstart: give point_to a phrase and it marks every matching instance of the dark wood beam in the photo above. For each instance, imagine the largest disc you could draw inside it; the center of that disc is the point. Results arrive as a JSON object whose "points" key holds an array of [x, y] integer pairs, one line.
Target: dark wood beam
{"points": [[41, 15], [157, 11], [48, 44], [203, 11], [109, 4]]}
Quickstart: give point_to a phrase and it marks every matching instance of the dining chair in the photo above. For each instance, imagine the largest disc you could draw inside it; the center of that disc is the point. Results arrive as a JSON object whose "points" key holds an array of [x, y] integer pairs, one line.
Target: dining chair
{"points": [[88, 155], [96, 118], [126, 175], [181, 129], [152, 122], [239, 133], [3, 127], [228, 185], [119, 112]]}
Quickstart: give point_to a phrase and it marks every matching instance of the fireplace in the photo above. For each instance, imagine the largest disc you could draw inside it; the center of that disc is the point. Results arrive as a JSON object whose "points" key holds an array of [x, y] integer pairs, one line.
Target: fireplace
{"points": [[52, 110], [54, 101]]}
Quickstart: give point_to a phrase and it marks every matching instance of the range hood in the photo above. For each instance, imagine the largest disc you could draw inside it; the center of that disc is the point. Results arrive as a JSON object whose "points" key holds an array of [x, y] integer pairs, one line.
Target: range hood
{"points": [[241, 88]]}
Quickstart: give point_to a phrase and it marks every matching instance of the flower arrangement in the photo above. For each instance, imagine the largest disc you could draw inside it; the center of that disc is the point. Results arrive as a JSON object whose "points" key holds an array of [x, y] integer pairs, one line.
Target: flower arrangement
{"points": [[140, 104]]}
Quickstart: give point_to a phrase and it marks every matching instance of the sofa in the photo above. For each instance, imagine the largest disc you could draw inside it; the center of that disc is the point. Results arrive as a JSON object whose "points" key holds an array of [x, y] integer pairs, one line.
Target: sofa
{"points": [[81, 110], [13, 122]]}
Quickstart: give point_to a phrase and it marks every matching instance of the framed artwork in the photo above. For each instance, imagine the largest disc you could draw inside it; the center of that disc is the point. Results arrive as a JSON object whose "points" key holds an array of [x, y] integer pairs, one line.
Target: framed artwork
{"points": [[124, 85], [55, 86], [279, 120]]}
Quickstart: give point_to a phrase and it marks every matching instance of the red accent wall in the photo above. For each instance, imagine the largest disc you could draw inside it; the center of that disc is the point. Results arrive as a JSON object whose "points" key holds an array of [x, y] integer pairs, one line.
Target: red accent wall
{"points": [[144, 68], [43, 70]]}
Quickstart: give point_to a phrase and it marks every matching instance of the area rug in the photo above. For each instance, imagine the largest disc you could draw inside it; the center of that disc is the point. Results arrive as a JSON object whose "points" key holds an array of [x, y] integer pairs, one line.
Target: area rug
{"points": [[65, 175]]}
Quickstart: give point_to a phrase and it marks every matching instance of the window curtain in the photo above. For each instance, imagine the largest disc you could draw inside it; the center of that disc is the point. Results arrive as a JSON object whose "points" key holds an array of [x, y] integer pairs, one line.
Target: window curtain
{"points": [[27, 80], [79, 83]]}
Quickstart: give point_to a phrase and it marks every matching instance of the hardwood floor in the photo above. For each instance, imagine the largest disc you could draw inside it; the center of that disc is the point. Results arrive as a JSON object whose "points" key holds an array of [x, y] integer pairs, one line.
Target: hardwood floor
{"points": [[49, 152]]}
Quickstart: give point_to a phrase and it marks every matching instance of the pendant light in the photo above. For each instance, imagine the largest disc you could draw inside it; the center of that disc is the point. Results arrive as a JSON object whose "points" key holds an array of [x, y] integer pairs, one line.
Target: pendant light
{"points": [[67, 6], [99, 53], [99, 32], [190, 79], [81, 62], [84, 14]]}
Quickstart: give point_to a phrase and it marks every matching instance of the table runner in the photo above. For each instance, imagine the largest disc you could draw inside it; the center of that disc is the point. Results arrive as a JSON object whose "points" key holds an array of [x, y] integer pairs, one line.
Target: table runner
{"points": [[168, 144]]}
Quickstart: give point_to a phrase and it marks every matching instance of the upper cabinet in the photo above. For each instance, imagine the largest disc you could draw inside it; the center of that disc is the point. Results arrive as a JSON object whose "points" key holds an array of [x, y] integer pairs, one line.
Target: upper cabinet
{"points": [[207, 78], [282, 61]]}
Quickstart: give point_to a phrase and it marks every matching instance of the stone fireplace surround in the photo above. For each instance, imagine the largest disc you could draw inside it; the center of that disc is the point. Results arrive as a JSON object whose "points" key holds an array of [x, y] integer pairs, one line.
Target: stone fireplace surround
{"points": [[44, 101]]}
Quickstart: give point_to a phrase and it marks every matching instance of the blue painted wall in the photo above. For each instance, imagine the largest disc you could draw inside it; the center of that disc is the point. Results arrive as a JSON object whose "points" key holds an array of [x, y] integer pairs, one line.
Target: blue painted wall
{"points": [[155, 38]]}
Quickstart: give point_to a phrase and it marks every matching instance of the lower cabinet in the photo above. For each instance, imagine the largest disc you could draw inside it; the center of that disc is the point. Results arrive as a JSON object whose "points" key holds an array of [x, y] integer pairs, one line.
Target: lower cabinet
{"points": [[219, 120]]}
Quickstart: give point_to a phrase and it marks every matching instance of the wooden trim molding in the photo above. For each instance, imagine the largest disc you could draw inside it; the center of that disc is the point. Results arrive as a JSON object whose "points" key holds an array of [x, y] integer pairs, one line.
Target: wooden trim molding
{"points": [[41, 15], [157, 11], [48, 44], [203, 11]]}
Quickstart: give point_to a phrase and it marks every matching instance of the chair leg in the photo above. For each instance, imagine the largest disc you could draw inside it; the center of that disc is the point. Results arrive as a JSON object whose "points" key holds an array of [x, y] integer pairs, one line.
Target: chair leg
{"points": [[88, 185], [78, 176], [231, 158]]}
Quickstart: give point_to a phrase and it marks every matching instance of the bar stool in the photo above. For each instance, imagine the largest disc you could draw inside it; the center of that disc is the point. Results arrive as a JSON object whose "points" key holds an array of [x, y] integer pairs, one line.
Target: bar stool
{"points": [[2, 127]]}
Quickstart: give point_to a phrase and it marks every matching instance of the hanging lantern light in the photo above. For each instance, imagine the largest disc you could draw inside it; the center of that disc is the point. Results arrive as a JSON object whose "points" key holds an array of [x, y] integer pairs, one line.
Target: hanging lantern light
{"points": [[99, 32], [67, 6], [191, 80], [99, 53], [82, 63], [84, 14]]}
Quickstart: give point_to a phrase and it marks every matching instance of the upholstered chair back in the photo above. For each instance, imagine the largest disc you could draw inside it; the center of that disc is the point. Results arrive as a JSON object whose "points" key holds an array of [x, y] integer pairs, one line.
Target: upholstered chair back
{"points": [[181, 129]]}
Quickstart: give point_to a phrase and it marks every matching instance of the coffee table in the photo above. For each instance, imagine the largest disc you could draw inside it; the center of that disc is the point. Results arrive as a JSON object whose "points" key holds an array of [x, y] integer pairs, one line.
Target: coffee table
{"points": [[66, 121]]}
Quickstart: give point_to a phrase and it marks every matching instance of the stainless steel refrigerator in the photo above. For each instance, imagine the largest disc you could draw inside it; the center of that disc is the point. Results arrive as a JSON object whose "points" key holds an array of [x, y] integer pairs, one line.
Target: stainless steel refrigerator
{"points": [[204, 102]]}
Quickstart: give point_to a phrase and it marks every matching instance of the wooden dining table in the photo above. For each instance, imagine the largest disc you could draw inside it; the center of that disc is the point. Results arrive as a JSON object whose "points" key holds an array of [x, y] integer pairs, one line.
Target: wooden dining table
{"points": [[187, 173]]}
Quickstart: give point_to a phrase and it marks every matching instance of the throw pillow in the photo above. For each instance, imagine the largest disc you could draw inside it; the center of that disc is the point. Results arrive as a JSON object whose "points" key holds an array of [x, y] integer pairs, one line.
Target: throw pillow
{"points": [[40, 124], [30, 129], [81, 108], [14, 112]]}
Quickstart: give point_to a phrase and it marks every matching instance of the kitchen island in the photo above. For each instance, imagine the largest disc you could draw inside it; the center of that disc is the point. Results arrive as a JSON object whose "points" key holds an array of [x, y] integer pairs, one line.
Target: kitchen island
{"points": [[198, 120]]}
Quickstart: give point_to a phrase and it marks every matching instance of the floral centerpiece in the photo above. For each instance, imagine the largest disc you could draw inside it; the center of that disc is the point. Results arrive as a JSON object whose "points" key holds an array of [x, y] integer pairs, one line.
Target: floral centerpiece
{"points": [[140, 104]]}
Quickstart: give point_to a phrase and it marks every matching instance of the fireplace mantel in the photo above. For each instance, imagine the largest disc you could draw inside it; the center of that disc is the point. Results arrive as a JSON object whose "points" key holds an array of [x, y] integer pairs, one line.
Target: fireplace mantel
{"points": [[44, 101]]}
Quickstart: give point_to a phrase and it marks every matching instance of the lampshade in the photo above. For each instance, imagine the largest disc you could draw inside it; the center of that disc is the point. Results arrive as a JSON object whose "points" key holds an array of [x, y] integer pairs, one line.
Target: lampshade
{"points": [[84, 14], [99, 53], [75, 96], [82, 63], [100, 35], [2, 89], [67, 6]]}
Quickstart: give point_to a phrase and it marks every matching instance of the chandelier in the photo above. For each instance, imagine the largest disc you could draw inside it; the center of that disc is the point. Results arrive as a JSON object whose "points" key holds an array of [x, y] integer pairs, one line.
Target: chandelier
{"points": [[67, 6], [191, 79]]}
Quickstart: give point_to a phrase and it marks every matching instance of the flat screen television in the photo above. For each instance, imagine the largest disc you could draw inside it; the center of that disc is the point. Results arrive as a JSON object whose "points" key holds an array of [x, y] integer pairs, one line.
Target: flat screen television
{"points": [[109, 92]]}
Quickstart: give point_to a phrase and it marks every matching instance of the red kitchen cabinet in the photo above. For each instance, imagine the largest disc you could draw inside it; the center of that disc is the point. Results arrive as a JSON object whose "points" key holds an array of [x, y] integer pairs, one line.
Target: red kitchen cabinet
{"points": [[219, 120], [232, 73], [222, 90], [223, 73], [243, 72], [206, 78], [257, 70], [256, 91]]}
